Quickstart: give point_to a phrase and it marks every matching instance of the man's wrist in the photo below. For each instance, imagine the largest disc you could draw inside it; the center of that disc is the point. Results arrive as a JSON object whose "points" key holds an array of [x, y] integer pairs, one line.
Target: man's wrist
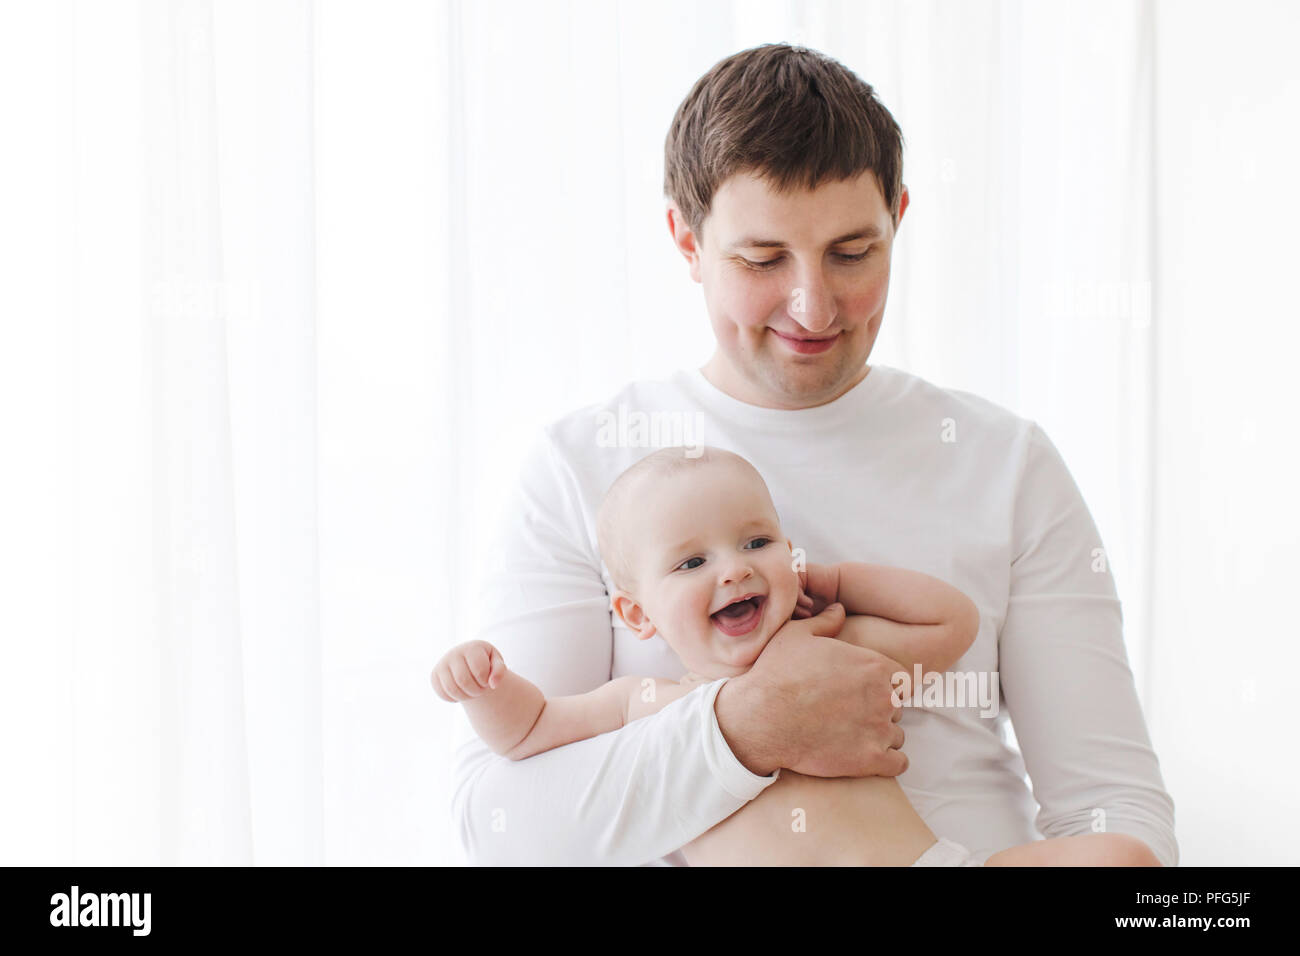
{"points": [[738, 714]]}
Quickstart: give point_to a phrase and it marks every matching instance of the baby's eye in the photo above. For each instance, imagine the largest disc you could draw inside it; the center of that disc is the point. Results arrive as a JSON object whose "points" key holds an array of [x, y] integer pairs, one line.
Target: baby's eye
{"points": [[761, 543], [687, 566]]}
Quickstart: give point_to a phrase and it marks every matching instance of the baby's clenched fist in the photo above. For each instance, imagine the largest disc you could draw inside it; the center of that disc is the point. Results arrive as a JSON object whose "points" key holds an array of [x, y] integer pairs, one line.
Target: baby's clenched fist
{"points": [[468, 670]]}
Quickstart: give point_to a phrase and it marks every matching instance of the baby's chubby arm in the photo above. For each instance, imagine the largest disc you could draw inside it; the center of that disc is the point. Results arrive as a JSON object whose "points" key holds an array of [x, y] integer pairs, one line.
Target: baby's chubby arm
{"points": [[908, 616], [516, 720]]}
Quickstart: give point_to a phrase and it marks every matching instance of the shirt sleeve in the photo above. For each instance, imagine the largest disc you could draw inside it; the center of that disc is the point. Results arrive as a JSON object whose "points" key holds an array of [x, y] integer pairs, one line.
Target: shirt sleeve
{"points": [[1065, 674], [624, 798]]}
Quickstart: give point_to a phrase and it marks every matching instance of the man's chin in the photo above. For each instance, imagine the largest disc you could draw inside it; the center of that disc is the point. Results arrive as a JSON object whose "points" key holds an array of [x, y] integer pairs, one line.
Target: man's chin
{"points": [[804, 381]]}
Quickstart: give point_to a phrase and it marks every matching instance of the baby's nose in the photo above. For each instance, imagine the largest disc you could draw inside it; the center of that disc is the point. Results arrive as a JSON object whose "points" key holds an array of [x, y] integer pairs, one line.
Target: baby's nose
{"points": [[737, 572]]}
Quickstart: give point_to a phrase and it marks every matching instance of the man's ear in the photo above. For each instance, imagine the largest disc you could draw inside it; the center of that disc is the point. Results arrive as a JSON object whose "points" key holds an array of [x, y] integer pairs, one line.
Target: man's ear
{"points": [[633, 615], [684, 238], [903, 200]]}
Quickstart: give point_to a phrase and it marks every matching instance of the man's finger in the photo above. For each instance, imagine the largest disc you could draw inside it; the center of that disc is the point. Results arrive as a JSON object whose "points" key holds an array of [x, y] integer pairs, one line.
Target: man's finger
{"points": [[830, 620], [894, 763]]}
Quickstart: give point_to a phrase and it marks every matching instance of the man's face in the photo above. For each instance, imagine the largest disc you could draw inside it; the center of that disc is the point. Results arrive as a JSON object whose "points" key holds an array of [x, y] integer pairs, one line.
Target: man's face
{"points": [[795, 286]]}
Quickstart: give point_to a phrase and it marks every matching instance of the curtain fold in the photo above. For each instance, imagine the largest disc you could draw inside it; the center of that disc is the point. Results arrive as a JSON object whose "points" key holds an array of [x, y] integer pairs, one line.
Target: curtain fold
{"points": [[205, 813]]}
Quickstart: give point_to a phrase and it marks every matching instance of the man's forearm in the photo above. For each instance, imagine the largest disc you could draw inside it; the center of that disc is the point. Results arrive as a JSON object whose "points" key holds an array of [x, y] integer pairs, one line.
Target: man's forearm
{"points": [[570, 805], [735, 708]]}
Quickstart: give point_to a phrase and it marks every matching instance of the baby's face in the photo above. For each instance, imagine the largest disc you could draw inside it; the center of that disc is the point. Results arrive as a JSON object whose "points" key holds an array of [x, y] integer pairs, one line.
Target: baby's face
{"points": [[714, 573]]}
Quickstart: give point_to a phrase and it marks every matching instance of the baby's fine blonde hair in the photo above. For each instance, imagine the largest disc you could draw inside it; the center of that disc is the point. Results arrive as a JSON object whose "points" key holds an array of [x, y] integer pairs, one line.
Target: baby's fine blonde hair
{"points": [[623, 494]]}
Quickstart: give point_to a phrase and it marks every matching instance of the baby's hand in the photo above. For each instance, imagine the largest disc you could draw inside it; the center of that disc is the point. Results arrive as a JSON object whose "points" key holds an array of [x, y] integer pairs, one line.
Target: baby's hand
{"points": [[818, 588], [468, 670]]}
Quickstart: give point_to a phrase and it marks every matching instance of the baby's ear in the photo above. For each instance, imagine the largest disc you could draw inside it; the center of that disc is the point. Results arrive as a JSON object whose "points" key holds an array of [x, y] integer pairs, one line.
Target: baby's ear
{"points": [[633, 615]]}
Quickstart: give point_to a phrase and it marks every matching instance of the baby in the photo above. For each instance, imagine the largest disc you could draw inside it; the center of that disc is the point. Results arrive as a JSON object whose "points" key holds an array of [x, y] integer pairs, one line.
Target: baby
{"points": [[696, 554]]}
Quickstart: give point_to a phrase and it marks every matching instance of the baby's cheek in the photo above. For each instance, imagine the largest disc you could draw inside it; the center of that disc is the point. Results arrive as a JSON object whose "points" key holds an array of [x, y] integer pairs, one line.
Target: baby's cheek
{"points": [[698, 613], [783, 602]]}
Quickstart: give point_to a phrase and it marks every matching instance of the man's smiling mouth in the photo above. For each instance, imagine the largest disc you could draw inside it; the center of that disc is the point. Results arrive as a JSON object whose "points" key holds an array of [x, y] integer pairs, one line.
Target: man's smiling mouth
{"points": [[806, 345]]}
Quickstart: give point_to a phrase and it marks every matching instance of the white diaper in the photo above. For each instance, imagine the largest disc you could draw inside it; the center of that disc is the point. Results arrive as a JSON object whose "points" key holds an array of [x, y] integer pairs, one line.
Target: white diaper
{"points": [[946, 853]]}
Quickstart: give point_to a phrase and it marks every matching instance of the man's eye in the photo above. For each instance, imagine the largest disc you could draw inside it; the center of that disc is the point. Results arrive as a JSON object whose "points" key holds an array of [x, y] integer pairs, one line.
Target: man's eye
{"points": [[762, 542], [858, 258], [687, 566], [767, 264]]}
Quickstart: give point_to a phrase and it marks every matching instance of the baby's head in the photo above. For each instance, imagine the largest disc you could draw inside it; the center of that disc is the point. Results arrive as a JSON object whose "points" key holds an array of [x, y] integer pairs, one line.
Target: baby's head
{"points": [[696, 553]]}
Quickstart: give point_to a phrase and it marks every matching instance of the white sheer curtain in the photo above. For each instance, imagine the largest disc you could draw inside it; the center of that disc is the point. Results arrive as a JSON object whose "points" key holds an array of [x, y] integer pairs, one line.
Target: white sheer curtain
{"points": [[284, 286]]}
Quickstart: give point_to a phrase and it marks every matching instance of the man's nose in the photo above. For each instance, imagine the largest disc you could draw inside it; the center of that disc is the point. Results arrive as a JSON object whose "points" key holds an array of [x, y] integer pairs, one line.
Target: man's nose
{"points": [[811, 303]]}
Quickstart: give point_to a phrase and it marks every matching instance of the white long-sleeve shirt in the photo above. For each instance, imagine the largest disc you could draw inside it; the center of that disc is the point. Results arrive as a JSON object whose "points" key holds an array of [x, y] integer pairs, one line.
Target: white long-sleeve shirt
{"points": [[897, 471]]}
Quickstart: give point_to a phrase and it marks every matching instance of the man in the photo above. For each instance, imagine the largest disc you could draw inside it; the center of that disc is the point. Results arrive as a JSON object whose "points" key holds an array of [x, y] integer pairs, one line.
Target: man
{"points": [[784, 179]]}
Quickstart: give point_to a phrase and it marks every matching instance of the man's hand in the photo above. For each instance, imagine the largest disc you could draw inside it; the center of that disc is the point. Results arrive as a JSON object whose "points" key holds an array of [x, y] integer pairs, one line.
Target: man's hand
{"points": [[818, 707]]}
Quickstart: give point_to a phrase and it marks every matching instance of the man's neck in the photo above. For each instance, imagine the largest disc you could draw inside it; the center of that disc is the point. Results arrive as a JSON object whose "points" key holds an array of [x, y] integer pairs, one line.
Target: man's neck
{"points": [[723, 376]]}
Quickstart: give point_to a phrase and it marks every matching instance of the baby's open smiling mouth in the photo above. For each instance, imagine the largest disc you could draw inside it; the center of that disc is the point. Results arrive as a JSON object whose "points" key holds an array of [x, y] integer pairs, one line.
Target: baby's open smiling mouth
{"points": [[740, 617]]}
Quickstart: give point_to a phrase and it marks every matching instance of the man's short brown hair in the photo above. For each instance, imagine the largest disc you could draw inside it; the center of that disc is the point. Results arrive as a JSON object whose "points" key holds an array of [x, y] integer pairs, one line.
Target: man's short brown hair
{"points": [[790, 115]]}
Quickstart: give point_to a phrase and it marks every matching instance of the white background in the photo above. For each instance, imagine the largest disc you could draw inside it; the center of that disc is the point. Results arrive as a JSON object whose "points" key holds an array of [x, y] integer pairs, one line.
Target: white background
{"points": [[284, 286]]}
